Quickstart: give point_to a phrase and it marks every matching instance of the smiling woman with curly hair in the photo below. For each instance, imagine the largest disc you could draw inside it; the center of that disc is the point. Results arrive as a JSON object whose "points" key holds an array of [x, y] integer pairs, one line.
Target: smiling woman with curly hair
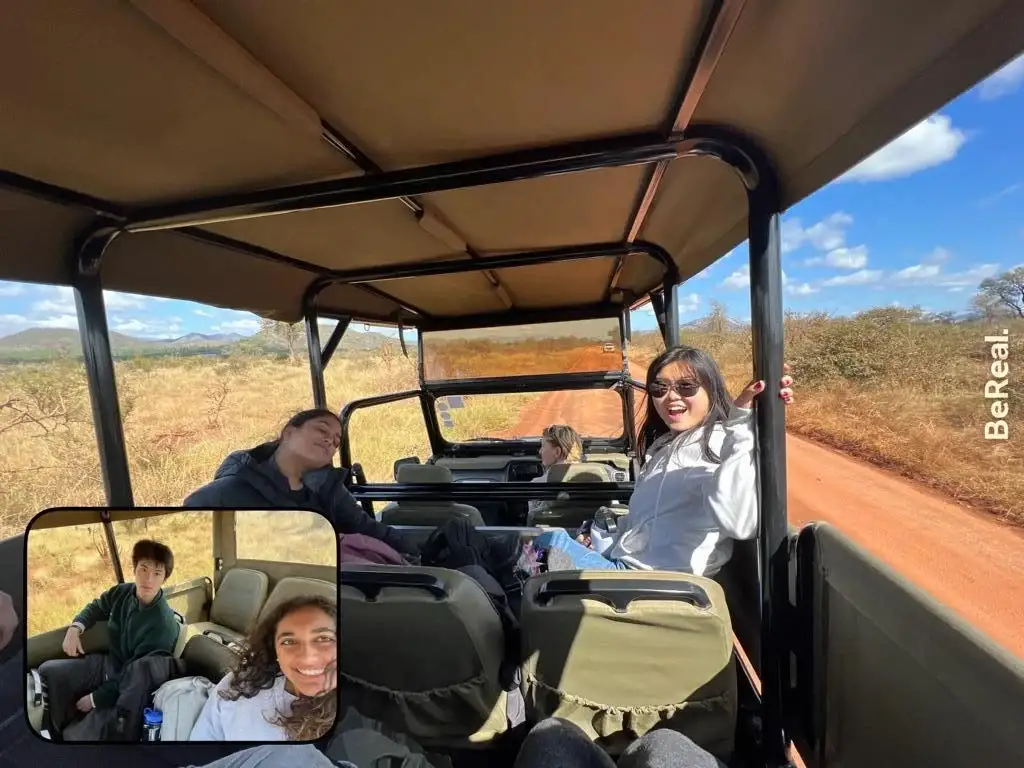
{"points": [[284, 687]]}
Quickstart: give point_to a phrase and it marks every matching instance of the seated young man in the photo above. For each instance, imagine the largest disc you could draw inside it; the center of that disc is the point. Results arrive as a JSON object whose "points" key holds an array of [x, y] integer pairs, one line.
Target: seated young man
{"points": [[139, 621]]}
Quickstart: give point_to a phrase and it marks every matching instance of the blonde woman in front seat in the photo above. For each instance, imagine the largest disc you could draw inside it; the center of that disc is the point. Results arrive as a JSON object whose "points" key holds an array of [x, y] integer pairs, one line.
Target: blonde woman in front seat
{"points": [[559, 444]]}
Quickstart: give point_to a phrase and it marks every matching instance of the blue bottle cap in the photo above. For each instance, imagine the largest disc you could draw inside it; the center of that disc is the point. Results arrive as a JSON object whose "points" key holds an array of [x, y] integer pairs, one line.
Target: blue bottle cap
{"points": [[152, 716]]}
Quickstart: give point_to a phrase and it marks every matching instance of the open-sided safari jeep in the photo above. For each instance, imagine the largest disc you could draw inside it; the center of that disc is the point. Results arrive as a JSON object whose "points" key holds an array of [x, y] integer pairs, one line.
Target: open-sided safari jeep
{"points": [[451, 166]]}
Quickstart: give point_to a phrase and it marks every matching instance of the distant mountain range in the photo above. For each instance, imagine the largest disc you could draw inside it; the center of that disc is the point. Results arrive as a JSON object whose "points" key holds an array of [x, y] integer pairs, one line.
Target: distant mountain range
{"points": [[50, 343]]}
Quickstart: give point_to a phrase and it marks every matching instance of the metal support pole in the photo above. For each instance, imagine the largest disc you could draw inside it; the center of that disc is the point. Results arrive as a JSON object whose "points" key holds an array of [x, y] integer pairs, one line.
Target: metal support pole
{"points": [[767, 323], [671, 316], [334, 340], [115, 554], [99, 367], [316, 363], [658, 305]]}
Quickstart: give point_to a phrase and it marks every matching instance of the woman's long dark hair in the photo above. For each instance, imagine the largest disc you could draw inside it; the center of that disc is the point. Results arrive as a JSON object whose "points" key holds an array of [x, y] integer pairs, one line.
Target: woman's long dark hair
{"points": [[709, 377], [311, 716]]}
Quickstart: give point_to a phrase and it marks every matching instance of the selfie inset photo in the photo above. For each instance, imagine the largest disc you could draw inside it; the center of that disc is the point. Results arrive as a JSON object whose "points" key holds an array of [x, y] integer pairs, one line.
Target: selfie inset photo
{"points": [[179, 625]]}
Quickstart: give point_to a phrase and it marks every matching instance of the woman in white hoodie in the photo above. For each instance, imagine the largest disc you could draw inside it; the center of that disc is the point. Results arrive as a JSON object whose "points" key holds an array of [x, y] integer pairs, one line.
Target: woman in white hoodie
{"points": [[697, 489], [284, 685]]}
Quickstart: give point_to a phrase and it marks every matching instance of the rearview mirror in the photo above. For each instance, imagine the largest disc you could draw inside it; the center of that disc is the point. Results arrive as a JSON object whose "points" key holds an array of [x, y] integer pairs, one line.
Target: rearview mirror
{"points": [[406, 460]]}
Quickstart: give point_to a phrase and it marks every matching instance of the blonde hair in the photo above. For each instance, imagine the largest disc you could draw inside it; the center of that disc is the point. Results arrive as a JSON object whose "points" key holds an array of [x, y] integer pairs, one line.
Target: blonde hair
{"points": [[566, 440]]}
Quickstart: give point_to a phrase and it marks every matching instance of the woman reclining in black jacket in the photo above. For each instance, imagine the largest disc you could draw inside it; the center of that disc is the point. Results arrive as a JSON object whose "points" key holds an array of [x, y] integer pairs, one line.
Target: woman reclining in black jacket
{"points": [[295, 472]]}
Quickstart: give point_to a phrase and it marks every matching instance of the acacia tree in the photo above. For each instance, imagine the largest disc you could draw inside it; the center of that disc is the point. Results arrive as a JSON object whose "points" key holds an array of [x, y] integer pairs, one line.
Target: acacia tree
{"points": [[1005, 293], [290, 335]]}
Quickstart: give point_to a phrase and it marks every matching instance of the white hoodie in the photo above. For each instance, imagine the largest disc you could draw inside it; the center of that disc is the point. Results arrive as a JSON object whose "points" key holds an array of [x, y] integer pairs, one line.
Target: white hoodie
{"points": [[686, 511]]}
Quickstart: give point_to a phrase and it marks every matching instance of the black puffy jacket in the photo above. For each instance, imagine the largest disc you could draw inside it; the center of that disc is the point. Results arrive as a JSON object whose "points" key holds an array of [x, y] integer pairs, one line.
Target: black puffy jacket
{"points": [[251, 479]]}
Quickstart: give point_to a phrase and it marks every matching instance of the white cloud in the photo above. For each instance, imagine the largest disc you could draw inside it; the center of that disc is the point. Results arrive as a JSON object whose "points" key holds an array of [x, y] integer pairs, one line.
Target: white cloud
{"points": [[843, 258], [1004, 81], [62, 300], [956, 289], [60, 321], [931, 274], [801, 289], [938, 256], [238, 326], [12, 324], [930, 143], [968, 278], [827, 234], [117, 300], [918, 272], [689, 302], [738, 279], [861, 277], [11, 289], [133, 327], [202, 313]]}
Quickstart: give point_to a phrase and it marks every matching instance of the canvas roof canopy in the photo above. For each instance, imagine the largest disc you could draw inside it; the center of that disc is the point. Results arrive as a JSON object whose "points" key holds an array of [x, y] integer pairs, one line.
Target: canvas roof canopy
{"points": [[498, 129]]}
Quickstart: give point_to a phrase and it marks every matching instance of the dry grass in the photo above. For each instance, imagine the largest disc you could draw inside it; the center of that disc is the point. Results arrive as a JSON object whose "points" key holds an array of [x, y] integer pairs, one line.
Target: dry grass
{"points": [[904, 394]]}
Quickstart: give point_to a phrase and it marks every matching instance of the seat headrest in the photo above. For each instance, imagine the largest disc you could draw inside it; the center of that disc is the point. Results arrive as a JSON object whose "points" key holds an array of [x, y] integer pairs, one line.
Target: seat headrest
{"points": [[238, 599], [205, 656], [589, 472], [298, 586], [424, 473]]}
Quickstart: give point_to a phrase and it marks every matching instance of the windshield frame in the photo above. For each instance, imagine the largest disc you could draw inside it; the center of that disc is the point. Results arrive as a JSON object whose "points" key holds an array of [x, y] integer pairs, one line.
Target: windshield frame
{"points": [[523, 319], [616, 381]]}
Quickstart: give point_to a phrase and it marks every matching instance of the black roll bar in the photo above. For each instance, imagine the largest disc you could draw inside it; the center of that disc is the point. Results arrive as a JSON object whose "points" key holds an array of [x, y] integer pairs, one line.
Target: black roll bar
{"points": [[501, 491], [99, 366], [637, 149]]}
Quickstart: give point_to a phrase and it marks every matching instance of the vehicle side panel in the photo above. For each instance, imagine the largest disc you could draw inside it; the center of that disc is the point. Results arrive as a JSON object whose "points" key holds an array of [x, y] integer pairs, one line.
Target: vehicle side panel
{"points": [[888, 676]]}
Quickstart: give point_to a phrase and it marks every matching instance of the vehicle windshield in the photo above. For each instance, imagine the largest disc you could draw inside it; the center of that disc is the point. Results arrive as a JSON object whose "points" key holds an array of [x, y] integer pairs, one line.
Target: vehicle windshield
{"points": [[511, 416], [578, 346]]}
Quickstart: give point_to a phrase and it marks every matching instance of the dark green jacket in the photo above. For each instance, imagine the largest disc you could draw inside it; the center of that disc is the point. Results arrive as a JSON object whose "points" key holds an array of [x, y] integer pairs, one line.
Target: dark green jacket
{"points": [[135, 631]]}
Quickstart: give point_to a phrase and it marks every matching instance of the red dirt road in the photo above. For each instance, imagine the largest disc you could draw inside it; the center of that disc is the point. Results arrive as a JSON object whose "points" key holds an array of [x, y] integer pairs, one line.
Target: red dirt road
{"points": [[965, 559]]}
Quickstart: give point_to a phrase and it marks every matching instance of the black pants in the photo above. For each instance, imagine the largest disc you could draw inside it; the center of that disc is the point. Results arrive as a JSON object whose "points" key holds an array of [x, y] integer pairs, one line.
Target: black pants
{"points": [[68, 680]]}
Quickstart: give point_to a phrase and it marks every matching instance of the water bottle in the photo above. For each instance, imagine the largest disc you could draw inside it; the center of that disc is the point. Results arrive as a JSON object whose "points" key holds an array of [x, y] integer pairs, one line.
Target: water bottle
{"points": [[152, 719]]}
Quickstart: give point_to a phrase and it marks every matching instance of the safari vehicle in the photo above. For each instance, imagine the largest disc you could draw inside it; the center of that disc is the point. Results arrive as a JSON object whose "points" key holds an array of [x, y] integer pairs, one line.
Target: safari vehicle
{"points": [[215, 614], [448, 166]]}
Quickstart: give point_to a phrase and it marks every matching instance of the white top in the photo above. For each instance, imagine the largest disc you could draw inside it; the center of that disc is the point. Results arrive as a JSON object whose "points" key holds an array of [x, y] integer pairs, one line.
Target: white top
{"points": [[686, 511], [243, 719]]}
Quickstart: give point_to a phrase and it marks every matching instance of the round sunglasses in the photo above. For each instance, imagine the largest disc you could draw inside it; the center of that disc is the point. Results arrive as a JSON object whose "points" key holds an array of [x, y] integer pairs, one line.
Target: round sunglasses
{"points": [[658, 389]]}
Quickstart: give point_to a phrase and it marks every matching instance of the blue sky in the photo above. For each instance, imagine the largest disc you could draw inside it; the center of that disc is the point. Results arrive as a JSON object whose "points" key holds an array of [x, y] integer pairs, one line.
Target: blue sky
{"points": [[922, 221]]}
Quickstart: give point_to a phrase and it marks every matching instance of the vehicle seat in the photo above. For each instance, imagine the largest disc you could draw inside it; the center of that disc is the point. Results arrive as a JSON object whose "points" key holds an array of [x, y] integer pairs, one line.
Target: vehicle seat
{"points": [[183, 634], [622, 652], [423, 649], [206, 657], [298, 586], [235, 606], [572, 514], [432, 513]]}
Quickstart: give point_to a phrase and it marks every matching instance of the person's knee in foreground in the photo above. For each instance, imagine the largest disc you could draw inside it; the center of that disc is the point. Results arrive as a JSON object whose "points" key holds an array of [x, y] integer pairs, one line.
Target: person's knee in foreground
{"points": [[283, 688], [140, 623], [277, 756], [295, 471], [697, 489], [559, 742]]}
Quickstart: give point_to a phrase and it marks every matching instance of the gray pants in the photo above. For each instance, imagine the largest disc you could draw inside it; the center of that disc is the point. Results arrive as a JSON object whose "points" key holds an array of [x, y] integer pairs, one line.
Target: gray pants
{"points": [[551, 742], [276, 756], [559, 742], [68, 680]]}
